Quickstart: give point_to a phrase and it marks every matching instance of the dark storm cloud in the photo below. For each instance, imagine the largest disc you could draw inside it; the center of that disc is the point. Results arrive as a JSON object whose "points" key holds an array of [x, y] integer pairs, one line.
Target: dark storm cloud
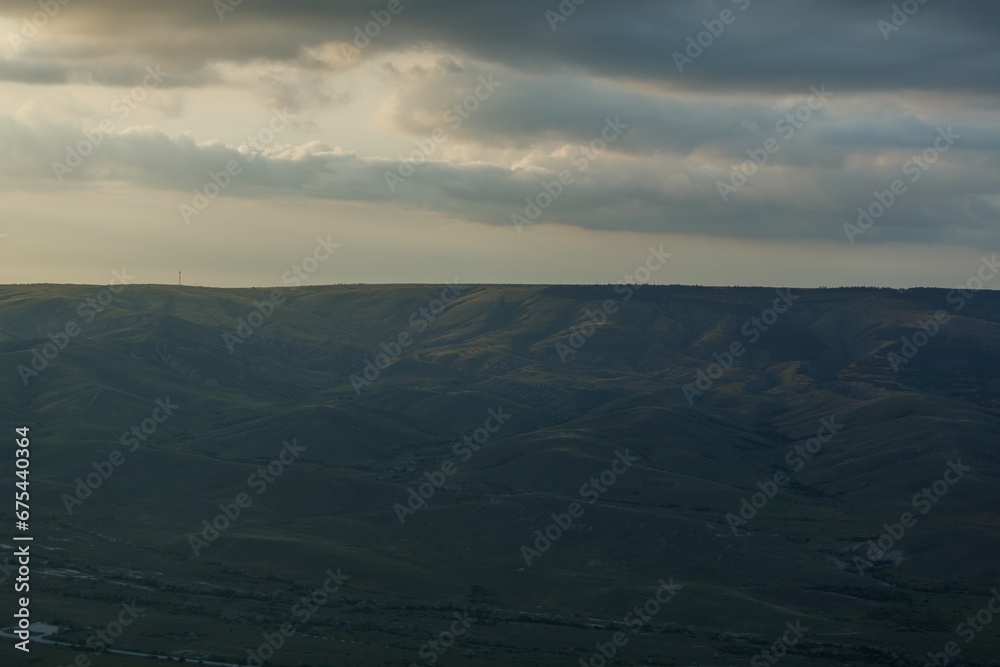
{"points": [[531, 110], [611, 193], [779, 45], [609, 59]]}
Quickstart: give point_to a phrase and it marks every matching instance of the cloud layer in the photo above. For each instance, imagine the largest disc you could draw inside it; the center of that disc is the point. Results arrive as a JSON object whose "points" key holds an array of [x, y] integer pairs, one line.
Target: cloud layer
{"points": [[735, 117]]}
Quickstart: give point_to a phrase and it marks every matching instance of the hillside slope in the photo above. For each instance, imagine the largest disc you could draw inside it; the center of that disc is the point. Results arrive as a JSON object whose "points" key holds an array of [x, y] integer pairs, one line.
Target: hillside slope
{"points": [[516, 399]]}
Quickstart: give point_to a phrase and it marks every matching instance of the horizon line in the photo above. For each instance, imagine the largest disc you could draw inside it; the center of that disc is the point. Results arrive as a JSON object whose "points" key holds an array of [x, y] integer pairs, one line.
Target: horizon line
{"points": [[513, 284]]}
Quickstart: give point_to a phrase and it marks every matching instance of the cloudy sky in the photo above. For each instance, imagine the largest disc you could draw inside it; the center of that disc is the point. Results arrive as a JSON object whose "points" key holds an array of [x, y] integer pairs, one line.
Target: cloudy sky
{"points": [[516, 141]]}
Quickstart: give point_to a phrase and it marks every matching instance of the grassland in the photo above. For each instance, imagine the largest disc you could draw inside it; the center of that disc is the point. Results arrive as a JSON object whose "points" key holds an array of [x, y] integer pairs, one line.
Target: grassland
{"points": [[498, 348]]}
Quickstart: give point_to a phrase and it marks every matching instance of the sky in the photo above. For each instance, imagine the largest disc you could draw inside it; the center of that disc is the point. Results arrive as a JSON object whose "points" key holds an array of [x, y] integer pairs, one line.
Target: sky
{"points": [[790, 142]]}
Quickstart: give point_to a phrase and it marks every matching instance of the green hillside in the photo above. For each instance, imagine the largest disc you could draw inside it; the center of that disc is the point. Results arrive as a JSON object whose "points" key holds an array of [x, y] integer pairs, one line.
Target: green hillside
{"points": [[574, 392]]}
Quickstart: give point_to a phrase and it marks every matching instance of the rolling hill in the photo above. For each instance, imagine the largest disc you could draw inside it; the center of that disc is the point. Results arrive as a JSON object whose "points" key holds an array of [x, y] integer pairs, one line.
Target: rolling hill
{"points": [[774, 441]]}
